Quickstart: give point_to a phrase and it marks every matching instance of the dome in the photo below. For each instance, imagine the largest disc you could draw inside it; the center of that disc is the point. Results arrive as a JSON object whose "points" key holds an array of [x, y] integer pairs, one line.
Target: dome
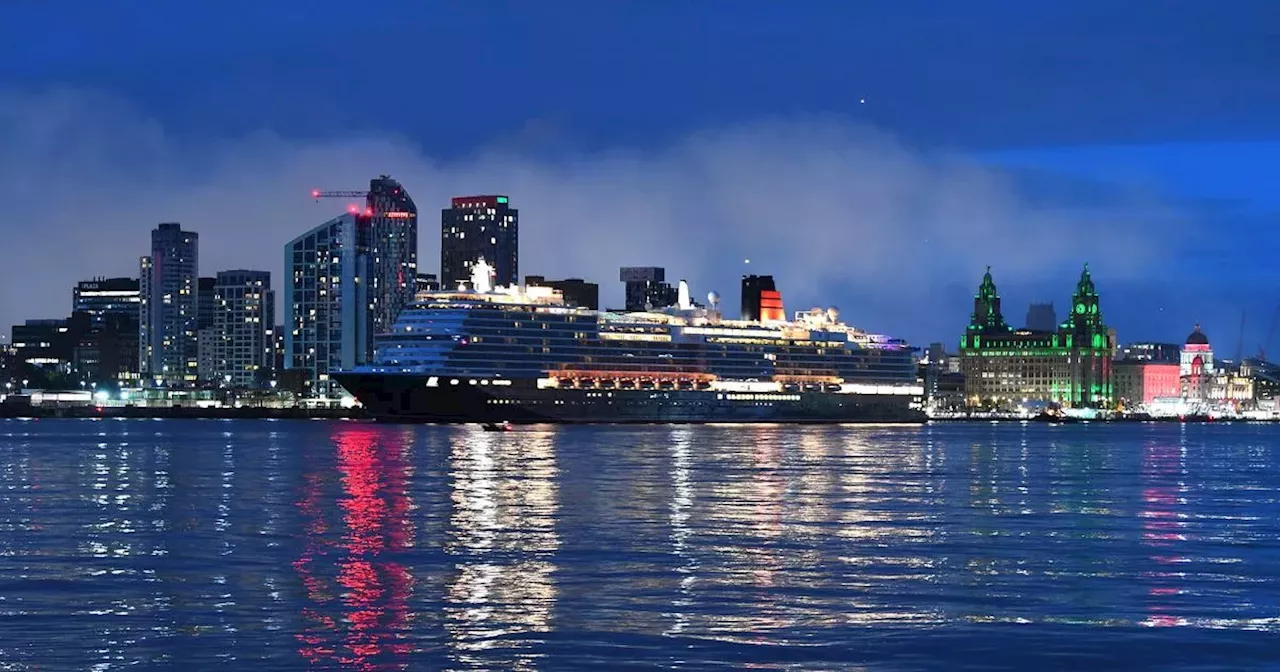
{"points": [[1197, 337]]}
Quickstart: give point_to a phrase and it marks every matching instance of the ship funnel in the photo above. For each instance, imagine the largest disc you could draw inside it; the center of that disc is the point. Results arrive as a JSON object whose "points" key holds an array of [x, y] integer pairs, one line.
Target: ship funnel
{"points": [[682, 296]]}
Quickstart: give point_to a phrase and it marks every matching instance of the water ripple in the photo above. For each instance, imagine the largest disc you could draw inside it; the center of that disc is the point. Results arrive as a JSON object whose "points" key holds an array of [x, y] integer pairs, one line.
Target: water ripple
{"points": [[349, 545]]}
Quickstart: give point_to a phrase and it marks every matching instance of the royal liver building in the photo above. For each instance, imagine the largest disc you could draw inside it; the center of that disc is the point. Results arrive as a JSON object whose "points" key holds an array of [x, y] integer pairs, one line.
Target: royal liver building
{"points": [[1070, 366]]}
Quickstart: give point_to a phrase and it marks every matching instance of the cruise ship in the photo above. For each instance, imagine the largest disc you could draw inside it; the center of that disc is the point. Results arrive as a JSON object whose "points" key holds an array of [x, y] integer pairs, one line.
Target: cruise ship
{"points": [[486, 354]]}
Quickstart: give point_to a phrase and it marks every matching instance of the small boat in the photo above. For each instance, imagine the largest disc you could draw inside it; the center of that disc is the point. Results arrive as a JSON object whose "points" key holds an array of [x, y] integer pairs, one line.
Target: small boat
{"points": [[497, 426], [1046, 416]]}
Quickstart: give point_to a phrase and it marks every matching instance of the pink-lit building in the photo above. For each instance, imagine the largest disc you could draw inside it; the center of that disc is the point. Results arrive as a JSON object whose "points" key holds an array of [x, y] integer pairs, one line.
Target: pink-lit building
{"points": [[1197, 368], [1142, 382]]}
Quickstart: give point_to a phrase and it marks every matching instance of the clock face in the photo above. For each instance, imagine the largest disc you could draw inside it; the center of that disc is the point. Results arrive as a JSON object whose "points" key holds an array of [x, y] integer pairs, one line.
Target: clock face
{"points": [[1080, 308]]}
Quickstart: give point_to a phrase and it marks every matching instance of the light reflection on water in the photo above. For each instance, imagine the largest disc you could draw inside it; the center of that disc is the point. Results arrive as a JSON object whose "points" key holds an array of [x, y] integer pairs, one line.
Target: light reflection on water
{"points": [[279, 545]]}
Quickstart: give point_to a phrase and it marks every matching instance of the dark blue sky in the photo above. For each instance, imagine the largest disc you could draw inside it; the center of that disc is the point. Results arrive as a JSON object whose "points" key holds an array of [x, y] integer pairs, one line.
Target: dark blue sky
{"points": [[1139, 136]]}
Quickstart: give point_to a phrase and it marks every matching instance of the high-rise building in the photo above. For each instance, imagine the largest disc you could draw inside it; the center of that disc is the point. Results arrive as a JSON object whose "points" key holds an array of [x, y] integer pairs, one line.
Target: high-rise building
{"points": [[145, 351], [392, 219], [243, 321], [576, 291], [207, 303], [108, 351], [168, 306], [277, 352], [646, 288], [1071, 365], [207, 338], [106, 296], [1042, 317], [475, 227], [328, 321]]}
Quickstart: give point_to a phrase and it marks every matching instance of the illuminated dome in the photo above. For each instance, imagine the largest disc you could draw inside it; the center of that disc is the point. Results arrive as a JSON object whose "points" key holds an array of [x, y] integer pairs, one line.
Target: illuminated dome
{"points": [[1197, 337]]}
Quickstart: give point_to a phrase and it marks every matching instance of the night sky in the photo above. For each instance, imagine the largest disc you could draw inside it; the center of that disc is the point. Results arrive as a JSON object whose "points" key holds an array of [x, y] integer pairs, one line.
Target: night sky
{"points": [[871, 155]]}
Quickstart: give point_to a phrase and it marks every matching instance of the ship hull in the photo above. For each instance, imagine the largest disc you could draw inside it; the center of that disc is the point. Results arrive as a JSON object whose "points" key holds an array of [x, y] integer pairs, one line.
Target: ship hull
{"points": [[411, 398]]}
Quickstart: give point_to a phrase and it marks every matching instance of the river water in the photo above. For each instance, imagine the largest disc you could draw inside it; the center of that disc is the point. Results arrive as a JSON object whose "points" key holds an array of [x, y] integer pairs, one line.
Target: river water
{"points": [[270, 545]]}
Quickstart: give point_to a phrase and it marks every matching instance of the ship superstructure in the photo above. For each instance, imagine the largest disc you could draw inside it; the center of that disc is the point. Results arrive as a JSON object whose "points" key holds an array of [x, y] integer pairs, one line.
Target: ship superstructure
{"points": [[519, 353]]}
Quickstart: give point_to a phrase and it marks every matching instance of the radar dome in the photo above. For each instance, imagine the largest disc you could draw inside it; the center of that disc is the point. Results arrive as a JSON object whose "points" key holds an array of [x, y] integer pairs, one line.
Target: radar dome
{"points": [[713, 298], [833, 314]]}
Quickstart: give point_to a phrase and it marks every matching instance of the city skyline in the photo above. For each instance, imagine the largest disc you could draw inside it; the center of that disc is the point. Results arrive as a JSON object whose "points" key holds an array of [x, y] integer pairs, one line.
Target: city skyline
{"points": [[826, 176], [1023, 298]]}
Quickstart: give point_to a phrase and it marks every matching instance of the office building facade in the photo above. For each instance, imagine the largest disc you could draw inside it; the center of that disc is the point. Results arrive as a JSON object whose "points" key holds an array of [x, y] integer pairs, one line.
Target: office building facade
{"points": [[575, 291], [109, 350], [328, 321], [169, 307], [1165, 353], [478, 227], [243, 324], [646, 288], [106, 296]]}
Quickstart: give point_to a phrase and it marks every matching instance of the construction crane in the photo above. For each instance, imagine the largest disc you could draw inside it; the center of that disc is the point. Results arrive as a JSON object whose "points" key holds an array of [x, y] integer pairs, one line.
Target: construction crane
{"points": [[341, 193], [345, 193], [1271, 334], [359, 209]]}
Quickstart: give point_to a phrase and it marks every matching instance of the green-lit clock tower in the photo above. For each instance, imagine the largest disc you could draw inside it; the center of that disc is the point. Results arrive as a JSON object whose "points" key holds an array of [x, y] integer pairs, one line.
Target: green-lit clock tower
{"points": [[1090, 343]]}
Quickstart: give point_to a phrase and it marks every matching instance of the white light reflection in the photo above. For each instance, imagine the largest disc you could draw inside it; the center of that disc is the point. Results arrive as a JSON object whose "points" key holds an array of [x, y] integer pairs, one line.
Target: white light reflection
{"points": [[503, 541], [880, 510], [681, 503]]}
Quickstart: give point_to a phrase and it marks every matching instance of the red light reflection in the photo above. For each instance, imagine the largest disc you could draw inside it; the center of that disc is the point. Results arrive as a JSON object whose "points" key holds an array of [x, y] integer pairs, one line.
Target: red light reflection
{"points": [[1162, 528], [358, 617]]}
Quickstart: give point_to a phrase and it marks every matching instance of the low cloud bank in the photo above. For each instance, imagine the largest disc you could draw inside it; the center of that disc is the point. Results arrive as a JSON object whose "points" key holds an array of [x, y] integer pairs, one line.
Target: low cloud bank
{"points": [[840, 214]]}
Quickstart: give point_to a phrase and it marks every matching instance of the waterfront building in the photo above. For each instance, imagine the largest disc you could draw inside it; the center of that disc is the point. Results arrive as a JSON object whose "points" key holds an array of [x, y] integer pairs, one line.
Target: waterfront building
{"points": [[45, 348], [328, 321], [1206, 381], [1140, 382], [244, 317], [1196, 366], [943, 382], [478, 227], [646, 288], [1070, 366], [106, 353], [1042, 317], [168, 307], [577, 292], [109, 350]]}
